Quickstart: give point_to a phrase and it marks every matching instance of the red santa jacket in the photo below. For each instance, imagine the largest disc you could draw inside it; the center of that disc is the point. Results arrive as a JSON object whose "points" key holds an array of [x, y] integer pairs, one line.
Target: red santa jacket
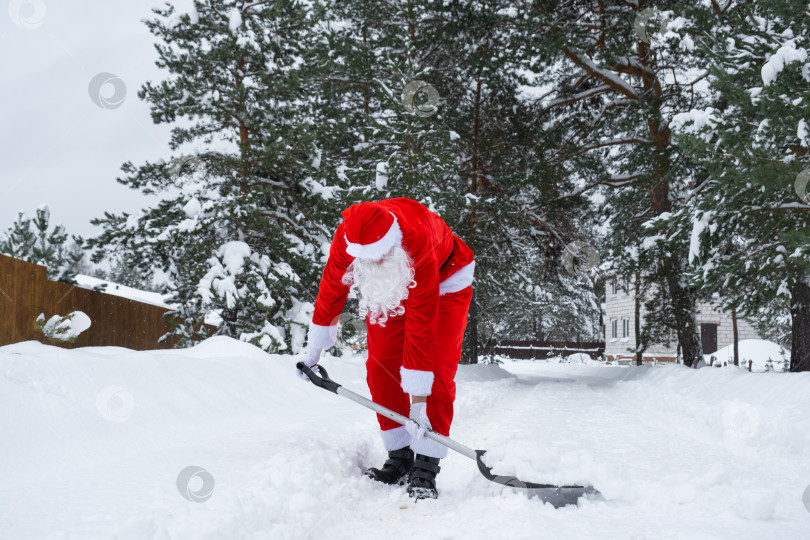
{"points": [[442, 264]]}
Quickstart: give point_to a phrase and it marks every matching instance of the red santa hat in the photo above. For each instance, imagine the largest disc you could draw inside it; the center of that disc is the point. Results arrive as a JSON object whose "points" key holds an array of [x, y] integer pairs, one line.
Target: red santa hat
{"points": [[370, 230]]}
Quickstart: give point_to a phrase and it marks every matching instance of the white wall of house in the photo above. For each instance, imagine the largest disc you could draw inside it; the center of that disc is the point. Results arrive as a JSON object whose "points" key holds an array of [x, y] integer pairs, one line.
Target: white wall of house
{"points": [[619, 319], [708, 313]]}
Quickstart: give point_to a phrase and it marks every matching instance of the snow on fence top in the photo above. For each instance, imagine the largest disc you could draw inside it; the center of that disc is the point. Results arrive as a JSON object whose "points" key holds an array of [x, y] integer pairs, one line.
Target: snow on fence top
{"points": [[545, 349]]}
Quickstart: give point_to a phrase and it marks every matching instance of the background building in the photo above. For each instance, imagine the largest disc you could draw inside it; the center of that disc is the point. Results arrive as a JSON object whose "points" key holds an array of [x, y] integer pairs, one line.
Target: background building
{"points": [[716, 326]]}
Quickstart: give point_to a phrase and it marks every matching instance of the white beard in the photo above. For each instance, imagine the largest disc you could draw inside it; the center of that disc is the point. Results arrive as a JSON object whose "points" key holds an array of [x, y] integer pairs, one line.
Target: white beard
{"points": [[381, 288]]}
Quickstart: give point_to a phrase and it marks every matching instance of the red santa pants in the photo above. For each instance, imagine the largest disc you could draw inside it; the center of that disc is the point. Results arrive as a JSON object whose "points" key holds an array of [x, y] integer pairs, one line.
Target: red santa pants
{"points": [[382, 372]]}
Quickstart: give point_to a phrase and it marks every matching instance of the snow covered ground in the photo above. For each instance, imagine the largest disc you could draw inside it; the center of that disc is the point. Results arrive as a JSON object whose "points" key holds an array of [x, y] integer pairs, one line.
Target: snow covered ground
{"points": [[95, 442]]}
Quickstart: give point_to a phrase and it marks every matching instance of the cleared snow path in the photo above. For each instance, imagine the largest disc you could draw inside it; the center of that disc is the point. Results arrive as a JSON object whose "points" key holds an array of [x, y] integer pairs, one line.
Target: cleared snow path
{"points": [[93, 441]]}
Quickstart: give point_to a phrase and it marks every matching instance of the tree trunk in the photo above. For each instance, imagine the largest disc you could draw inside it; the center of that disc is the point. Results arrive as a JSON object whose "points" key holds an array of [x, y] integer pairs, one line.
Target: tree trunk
{"points": [[539, 322], [366, 97], [680, 295], [470, 348], [800, 321], [736, 336], [683, 304], [684, 310], [637, 322], [475, 181]]}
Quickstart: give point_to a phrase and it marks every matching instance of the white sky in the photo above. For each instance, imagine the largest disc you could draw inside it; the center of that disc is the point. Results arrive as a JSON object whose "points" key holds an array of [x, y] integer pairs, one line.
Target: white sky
{"points": [[56, 146]]}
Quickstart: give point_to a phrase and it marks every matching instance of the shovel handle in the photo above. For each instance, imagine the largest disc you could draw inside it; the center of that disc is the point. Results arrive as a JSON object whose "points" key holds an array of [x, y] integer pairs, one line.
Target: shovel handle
{"points": [[556, 495], [322, 381]]}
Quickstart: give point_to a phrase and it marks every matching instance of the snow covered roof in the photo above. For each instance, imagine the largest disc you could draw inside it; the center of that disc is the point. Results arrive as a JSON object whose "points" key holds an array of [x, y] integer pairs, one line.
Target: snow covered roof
{"points": [[138, 295], [147, 297]]}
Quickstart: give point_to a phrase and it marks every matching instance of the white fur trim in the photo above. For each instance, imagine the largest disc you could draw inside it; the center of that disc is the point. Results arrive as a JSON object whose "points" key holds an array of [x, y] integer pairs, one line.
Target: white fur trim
{"points": [[416, 382], [458, 280], [376, 250], [394, 439], [428, 447], [321, 337]]}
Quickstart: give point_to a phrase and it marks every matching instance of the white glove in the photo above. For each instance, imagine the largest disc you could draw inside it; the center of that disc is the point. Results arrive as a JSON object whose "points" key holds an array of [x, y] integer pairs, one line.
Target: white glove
{"points": [[419, 423], [310, 359]]}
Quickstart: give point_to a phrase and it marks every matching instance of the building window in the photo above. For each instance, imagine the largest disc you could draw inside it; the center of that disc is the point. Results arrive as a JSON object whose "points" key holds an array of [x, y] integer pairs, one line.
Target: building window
{"points": [[613, 285], [625, 328], [614, 325]]}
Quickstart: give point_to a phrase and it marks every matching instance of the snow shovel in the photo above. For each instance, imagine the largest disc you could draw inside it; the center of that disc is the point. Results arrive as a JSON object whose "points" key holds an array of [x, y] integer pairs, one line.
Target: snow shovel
{"points": [[557, 496]]}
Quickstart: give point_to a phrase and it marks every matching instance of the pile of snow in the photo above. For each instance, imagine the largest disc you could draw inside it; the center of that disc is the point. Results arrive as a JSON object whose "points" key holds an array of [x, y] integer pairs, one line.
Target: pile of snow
{"points": [[224, 441], [573, 358], [580, 358], [766, 355]]}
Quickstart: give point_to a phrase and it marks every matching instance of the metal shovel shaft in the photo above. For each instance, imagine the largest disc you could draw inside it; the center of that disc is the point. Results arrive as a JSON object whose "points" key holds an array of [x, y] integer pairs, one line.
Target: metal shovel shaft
{"points": [[396, 417]]}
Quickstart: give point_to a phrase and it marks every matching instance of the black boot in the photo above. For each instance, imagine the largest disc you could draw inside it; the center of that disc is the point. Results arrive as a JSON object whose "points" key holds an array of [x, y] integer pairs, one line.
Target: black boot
{"points": [[423, 478], [396, 469]]}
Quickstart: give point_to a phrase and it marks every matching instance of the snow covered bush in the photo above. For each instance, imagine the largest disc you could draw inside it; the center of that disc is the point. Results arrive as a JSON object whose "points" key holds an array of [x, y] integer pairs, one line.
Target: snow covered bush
{"points": [[63, 329]]}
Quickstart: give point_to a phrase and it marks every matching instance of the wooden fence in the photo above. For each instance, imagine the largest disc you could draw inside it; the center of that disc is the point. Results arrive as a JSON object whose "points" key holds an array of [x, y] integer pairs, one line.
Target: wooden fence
{"points": [[546, 349], [25, 292]]}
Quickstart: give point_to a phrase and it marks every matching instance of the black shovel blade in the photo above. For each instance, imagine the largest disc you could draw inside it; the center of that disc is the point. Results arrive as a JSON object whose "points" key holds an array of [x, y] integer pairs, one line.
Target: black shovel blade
{"points": [[557, 496], [560, 496]]}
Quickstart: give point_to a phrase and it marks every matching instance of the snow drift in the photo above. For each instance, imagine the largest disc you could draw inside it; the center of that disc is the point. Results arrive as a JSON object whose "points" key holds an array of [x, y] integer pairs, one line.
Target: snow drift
{"points": [[223, 441]]}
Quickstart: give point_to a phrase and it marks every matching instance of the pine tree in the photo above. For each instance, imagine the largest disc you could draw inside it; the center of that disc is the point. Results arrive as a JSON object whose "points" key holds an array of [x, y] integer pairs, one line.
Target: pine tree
{"points": [[401, 145], [387, 134], [35, 241], [517, 230], [18, 241], [124, 270], [476, 158], [391, 103], [614, 90], [310, 98], [235, 91], [512, 213], [78, 257], [751, 230]]}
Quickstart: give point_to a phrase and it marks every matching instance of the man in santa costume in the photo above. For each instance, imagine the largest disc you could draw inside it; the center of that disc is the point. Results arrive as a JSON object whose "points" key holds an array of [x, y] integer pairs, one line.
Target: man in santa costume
{"points": [[413, 278]]}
